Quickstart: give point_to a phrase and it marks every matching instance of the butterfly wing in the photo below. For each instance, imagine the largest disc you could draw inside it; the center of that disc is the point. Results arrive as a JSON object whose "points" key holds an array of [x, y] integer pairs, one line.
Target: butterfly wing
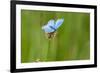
{"points": [[47, 27], [58, 23], [51, 23]]}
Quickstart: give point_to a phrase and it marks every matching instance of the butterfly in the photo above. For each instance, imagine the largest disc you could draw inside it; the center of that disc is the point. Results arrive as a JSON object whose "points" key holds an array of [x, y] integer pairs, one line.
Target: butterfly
{"points": [[52, 26]]}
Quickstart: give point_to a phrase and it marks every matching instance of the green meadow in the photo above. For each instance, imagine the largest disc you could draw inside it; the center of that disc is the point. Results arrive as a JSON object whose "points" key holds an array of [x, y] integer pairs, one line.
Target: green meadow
{"points": [[72, 41]]}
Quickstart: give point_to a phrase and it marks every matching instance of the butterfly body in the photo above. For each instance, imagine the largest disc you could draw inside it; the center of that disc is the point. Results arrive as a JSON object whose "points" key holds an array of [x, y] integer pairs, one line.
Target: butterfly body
{"points": [[52, 26]]}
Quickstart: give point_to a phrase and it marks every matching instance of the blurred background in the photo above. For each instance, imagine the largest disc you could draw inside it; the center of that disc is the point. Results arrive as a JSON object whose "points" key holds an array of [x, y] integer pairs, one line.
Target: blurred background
{"points": [[72, 41]]}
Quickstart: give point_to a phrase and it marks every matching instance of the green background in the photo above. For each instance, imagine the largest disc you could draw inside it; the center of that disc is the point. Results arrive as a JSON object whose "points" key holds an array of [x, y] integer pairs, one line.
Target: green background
{"points": [[72, 41]]}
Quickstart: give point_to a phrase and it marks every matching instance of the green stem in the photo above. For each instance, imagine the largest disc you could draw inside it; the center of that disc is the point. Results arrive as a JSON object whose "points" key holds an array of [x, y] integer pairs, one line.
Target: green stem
{"points": [[48, 50]]}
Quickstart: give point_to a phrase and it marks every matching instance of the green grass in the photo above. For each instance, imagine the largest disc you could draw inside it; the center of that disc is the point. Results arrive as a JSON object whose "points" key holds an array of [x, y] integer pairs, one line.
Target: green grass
{"points": [[72, 41]]}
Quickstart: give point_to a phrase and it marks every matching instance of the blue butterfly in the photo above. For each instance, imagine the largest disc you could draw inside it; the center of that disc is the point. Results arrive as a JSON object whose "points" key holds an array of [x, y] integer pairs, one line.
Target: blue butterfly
{"points": [[52, 25]]}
